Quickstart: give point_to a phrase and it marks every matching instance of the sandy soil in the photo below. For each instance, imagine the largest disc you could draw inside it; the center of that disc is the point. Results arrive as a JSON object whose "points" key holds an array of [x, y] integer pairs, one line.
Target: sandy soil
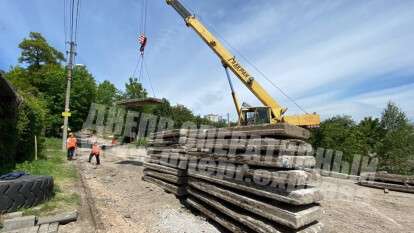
{"points": [[125, 203]]}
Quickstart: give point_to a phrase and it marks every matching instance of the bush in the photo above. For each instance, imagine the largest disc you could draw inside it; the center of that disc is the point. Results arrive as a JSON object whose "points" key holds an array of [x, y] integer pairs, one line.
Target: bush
{"points": [[30, 123]]}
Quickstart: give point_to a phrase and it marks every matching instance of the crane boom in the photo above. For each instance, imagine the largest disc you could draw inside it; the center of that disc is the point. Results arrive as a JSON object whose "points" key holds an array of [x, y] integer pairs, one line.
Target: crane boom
{"points": [[230, 61]]}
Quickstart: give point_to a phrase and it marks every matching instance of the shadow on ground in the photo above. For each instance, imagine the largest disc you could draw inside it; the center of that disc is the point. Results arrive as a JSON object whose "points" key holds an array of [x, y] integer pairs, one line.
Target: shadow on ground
{"points": [[131, 162]]}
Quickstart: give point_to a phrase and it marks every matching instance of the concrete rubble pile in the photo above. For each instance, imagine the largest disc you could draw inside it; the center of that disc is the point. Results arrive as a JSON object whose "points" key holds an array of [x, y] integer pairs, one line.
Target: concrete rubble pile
{"points": [[384, 180], [247, 179]]}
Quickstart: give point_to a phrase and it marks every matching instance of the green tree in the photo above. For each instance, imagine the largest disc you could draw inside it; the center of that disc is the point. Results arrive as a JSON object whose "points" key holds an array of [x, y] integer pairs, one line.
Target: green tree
{"points": [[339, 133], [134, 89], [397, 147], [372, 134], [164, 109], [181, 114], [106, 93], [36, 51], [83, 94]]}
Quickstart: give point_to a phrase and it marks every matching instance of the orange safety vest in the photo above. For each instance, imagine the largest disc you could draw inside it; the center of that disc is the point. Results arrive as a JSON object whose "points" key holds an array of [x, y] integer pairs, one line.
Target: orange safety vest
{"points": [[71, 143], [96, 150]]}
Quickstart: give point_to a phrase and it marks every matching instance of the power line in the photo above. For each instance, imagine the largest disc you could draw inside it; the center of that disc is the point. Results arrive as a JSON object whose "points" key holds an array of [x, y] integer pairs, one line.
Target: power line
{"points": [[77, 19], [64, 22], [71, 18]]}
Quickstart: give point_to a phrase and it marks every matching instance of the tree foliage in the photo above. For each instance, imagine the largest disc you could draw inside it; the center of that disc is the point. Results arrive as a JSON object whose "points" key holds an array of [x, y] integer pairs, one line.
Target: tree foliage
{"points": [[36, 51], [397, 147], [106, 93], [134, 89], [389, 138]]}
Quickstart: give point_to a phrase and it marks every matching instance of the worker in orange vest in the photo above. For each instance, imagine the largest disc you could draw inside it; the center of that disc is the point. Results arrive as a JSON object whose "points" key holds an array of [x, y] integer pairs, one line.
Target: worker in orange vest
{"points": [[96, 151], [71, 145]]}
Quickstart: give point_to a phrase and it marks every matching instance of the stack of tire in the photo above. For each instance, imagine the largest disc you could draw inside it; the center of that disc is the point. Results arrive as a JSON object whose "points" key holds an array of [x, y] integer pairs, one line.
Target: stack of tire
{"points": [[24, 192]]}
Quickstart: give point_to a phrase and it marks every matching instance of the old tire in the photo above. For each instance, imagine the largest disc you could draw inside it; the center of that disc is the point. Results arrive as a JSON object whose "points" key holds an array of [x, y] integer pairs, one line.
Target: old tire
{"points": [[26, 191]]}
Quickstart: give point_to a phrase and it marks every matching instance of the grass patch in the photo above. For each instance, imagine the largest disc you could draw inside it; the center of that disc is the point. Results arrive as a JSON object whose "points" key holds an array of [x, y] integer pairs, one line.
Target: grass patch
{"points": [[53, 163]]}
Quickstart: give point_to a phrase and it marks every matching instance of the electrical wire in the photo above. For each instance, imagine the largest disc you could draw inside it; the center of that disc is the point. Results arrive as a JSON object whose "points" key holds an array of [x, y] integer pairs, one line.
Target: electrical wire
{"points": [[254, 66], [64, 23], [78, 6], [72, 7]]}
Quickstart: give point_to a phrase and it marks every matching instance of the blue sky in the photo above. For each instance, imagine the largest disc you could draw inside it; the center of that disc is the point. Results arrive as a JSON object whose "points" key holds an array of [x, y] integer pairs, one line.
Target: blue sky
{"points": [[333, 57]]}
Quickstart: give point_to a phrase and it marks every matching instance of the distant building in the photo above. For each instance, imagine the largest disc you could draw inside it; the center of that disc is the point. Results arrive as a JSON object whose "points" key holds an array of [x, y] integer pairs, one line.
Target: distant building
{"points": [[213, 117]]}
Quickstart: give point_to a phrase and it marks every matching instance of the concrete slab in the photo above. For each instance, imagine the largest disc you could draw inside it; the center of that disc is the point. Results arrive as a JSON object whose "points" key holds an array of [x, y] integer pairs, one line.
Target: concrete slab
{"points": [[276, 130], [62, 218], [165, 169], [254, 222], [227, 223], [179, 180], [33, 229], [291, 216], [294, 178], [295, 197], [394, 178], [285, 161], [390, 186], [255, 145], [12, 215], [179, 191], [19, 222]]}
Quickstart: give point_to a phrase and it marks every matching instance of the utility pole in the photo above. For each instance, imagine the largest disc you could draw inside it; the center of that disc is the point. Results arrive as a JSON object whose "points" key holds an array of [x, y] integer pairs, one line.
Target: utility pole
{"points": [[66, 113]]}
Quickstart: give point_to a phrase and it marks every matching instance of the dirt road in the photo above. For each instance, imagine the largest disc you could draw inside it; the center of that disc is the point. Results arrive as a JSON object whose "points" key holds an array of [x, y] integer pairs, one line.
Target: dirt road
{"points": [[124, 203], [127, 204]]}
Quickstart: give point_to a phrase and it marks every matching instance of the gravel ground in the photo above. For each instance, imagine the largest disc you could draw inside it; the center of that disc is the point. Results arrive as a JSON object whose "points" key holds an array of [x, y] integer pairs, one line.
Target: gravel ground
{"points": [[125, 203], [350, 208]]}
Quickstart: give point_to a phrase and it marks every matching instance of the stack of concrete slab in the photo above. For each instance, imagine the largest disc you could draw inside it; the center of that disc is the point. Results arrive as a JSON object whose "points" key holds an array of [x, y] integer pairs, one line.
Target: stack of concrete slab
{"points": [[253, 179], [166, 165], [384, 180], [247, 179]]}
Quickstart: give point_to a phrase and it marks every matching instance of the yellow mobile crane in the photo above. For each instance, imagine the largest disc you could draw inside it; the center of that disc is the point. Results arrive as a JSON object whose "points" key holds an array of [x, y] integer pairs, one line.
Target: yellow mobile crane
{"points": [[272, 112]]}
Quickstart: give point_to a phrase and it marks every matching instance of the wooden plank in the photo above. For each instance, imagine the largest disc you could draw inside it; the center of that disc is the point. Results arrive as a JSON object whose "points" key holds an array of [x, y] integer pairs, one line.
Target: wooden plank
{"points": [[295, 197], [179, 180], [291, 216], [390, 186], [179, 191]]}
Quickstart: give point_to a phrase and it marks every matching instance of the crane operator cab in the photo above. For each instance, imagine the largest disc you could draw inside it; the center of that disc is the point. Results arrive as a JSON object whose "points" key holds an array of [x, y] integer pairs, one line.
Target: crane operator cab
{"points": [[256, 115]]}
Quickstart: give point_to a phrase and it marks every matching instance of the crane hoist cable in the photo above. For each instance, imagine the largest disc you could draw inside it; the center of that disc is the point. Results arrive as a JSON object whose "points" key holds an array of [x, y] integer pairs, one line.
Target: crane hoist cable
{"points": [[213, 28], [141, 67]]}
